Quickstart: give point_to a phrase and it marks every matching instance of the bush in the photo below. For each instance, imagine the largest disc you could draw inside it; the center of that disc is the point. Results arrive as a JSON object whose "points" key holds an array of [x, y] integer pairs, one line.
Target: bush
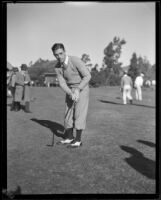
{"points": [[102, 78]]}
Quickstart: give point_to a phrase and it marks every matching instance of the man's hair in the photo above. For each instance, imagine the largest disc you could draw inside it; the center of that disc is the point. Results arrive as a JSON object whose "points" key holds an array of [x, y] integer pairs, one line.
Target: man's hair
{"points": [[24, 67], [57, 46]]}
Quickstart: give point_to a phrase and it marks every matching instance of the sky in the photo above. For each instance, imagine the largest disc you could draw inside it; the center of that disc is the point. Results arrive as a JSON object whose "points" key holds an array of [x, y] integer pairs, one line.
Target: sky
{"points": [[83, 27]]}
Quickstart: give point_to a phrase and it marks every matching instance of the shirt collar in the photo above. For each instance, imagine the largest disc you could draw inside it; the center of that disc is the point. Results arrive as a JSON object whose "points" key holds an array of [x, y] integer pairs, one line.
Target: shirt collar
{"points": [[66, 60], [65, 64]]}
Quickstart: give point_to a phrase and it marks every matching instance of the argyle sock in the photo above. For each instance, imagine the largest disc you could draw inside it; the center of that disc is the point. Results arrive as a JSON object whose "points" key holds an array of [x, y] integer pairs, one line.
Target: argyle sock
{"points": [[69, 133]]}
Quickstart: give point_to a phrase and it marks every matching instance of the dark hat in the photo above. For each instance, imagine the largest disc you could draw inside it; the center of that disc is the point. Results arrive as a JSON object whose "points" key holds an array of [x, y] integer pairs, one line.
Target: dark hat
{"points": [[24, 67]]}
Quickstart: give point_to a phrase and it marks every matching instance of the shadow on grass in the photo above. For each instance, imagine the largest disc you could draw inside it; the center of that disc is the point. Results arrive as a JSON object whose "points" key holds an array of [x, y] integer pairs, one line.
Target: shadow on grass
{"points": [[56, 128], [141, 164], [112, 102], [150, 144]]}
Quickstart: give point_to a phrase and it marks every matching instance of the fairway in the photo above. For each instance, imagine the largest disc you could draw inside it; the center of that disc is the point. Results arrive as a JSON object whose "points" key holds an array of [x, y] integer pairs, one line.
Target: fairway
{"points": [[117, 156]]}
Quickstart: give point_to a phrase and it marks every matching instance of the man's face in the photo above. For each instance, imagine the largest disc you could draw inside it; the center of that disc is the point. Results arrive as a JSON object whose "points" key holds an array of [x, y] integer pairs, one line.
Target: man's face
{"points": [[60, 55], [22, 71]]}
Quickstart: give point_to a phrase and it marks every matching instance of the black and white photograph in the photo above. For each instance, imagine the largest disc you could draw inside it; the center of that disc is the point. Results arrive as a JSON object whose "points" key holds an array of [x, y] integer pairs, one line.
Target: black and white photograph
{"points": [[81, 98]]}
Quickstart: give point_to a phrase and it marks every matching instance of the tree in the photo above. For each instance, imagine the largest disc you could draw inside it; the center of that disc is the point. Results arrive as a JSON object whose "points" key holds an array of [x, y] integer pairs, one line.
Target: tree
{"points": [[140, 65], [96, 67], [40, 67], [97, 78], [151, 73], [143, 65], [133, 68], [85, 58], [113, 67]]}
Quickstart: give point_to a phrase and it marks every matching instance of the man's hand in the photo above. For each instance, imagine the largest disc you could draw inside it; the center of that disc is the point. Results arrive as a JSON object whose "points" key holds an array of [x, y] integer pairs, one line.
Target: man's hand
{"points": [[26, 82], [72, 95], [75, 95]]}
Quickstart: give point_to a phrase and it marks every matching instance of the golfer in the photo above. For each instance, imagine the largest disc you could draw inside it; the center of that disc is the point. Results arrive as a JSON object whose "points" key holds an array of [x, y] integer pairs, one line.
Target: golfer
{"points": [[73, 78], [138, 86], [126, 87]]}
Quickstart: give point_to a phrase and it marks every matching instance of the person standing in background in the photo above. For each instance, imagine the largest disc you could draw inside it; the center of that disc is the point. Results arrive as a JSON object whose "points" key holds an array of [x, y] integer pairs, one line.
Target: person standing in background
{"points": [[138, 86], [22, 89], [126, 88], [12, 87]]}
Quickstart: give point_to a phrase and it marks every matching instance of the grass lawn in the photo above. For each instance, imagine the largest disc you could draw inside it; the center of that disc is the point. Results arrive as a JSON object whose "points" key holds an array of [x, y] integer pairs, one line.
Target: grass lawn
{"points": [[117, 156]]}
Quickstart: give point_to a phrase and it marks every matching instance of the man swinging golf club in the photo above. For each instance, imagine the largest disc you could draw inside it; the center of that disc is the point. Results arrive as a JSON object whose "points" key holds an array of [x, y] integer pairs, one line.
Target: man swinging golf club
{"points": [[73, 78]]}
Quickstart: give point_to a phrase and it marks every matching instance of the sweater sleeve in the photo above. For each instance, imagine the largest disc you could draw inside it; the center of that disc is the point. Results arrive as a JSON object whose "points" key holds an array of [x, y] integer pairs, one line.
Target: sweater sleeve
{"points": [[84, 72], [62, 82]]}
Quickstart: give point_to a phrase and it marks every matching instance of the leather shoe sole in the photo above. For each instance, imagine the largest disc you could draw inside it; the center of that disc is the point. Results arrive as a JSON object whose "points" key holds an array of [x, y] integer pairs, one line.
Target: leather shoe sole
{"points": [[60, 142], [74, 146]]}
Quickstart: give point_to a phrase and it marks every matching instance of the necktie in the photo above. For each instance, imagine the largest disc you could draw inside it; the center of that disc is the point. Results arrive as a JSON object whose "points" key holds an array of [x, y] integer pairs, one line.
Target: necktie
{"points": [[64, 66], [24, 76]]}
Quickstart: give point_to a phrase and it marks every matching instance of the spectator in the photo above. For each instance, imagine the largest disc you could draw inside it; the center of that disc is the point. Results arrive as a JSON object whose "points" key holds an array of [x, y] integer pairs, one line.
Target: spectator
{"points": [[138, 86], [126, 88]]}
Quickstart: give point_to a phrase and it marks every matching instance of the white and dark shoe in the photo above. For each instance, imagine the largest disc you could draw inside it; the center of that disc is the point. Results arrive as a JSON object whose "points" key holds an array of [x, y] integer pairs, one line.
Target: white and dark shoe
{"points": [[66, 141], [75, 144]]}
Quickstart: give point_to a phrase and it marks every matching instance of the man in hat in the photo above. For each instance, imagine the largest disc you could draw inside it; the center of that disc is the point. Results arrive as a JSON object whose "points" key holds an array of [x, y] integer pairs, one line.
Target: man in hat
{"points": [[126, 87], [12, 87], [22, 91], [73, 78], [138, 86]]}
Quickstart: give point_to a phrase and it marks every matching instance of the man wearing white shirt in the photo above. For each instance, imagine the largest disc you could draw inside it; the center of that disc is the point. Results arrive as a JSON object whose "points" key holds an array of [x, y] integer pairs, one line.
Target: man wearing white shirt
{"points": [[126, 87], [138, 86]]}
